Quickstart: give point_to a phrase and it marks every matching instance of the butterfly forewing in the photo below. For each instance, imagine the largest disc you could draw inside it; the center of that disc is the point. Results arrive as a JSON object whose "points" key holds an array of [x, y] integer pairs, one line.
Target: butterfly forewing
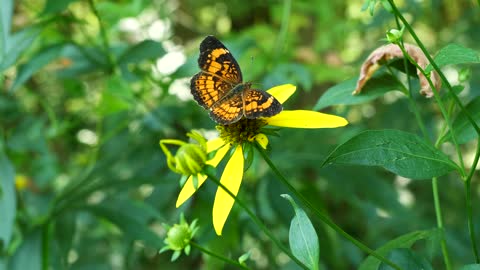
{"points": [[260, 104]]}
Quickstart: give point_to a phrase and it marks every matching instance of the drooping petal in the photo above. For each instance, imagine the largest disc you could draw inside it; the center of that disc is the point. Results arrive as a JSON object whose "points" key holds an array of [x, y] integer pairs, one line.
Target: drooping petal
{"points": [[282, 92], [231, 179], [188, 188], [306, 119], [262, 140], [214, 144]]}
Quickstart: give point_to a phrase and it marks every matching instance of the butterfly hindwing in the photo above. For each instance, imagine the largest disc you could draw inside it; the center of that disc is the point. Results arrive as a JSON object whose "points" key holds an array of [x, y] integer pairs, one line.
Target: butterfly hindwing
{"points": [[208, 89], [228, 111]]}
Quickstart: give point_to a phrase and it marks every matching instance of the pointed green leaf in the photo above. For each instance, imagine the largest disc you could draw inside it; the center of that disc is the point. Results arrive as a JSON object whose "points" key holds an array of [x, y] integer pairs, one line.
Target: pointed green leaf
{"points": [[35, 63], [8, 203], [471, 267], [341, 93], [117, 96], [406, 259], [453, 54], [404, 241], [464, 131], [6, 11], [303, 238], [400, 152]]}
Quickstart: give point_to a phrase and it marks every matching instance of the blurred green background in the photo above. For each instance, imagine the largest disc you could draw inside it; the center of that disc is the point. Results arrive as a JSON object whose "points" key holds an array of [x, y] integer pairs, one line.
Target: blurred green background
{"points": [[88, 88]]}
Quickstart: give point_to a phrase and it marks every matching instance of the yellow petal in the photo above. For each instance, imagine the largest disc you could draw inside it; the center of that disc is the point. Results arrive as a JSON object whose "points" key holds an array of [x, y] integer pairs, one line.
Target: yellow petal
{"points": [[282, 92], [262, 140], [231, 179], [214, 144], [188, 189], [218, 155], [306, 119]]}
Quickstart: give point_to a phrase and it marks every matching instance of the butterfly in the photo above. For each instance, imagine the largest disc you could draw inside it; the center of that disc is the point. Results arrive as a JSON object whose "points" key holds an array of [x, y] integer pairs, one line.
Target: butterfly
{"points": [[219, 87]]}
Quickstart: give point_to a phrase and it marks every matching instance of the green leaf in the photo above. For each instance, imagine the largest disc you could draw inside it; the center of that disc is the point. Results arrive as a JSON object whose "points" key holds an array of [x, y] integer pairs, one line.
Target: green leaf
{"points": [[28, 255], [406, 259], [147, 49], [404, 241], [133, 219], [453, 54], [17, 44], [303, 238], [55, 6], [464, 131], [35, 63], [471, 267], [8, 203], [64, 233], [342, 93], [400, 152], [117, 96]]}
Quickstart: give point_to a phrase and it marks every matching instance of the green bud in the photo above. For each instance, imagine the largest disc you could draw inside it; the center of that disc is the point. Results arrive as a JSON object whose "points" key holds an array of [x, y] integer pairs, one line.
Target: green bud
{"points": [[190, 159], [179, 237], [394, 35]]}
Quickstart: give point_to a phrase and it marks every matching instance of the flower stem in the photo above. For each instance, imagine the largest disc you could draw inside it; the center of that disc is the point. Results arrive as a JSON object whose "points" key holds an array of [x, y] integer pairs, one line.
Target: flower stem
{"points": [[322, 215], [438, 214], [471, 225], [218, 256], [257, 221]]}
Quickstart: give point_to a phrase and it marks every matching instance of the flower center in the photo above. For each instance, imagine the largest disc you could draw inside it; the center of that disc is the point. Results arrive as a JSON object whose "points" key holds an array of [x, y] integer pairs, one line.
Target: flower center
{"points": [[242, 131]]}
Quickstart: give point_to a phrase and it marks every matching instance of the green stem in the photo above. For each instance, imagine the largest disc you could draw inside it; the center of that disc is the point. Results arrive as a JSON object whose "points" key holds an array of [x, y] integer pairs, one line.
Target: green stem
{"points": [[408, 93], [257, 221], [282, 35], [218, 256], [322, 215], [46, 232], [441, 106], [471, 226], [434, 65], [103, 34], [438, 214]]}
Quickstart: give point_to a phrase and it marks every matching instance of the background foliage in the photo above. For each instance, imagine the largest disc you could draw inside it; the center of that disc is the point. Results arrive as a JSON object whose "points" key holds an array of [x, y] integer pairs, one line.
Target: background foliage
{"points": [[89, 87]]}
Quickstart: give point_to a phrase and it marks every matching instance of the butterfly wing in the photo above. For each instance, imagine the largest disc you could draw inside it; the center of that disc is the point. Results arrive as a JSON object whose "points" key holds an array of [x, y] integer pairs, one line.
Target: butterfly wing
{"points": [[220, 73], [260, 104], [229, 110]]}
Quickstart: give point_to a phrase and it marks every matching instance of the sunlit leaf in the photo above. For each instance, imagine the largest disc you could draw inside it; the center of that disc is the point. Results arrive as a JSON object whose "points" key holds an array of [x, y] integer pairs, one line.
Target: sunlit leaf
{"points": [[400, 152], [464, 131], [54, 6], [454, 54], [17, 44]]}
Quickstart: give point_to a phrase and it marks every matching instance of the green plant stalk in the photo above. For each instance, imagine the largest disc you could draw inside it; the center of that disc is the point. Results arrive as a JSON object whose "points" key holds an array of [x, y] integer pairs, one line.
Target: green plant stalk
{"points": [[414, 107], [257, 221], [462, 108], [434, 65], [282, 35], [218, 256], [438, 214], [46, 233], [471, 226], [322, 215], [103, 34], [441, 106]]}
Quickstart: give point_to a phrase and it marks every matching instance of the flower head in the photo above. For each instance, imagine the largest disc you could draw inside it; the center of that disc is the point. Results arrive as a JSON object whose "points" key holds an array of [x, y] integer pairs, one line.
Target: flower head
{"points": [[179, 237], [236, 136]]}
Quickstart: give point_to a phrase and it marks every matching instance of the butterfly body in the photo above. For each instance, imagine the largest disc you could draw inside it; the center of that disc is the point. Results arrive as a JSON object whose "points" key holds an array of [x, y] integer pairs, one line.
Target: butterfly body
{"points": [[219, 87]]}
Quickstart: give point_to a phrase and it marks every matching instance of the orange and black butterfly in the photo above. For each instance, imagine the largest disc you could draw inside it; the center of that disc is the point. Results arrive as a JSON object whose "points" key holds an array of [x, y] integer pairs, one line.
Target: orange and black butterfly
{"points": [[219, 87]]}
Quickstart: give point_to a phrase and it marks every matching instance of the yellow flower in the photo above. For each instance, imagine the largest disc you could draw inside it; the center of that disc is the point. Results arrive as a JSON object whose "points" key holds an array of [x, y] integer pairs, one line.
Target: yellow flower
{"points": [[248, 131]]}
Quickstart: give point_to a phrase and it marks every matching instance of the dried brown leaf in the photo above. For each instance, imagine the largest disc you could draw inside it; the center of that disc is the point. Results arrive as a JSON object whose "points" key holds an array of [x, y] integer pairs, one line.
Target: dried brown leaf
{"points": [[387, 52]]}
